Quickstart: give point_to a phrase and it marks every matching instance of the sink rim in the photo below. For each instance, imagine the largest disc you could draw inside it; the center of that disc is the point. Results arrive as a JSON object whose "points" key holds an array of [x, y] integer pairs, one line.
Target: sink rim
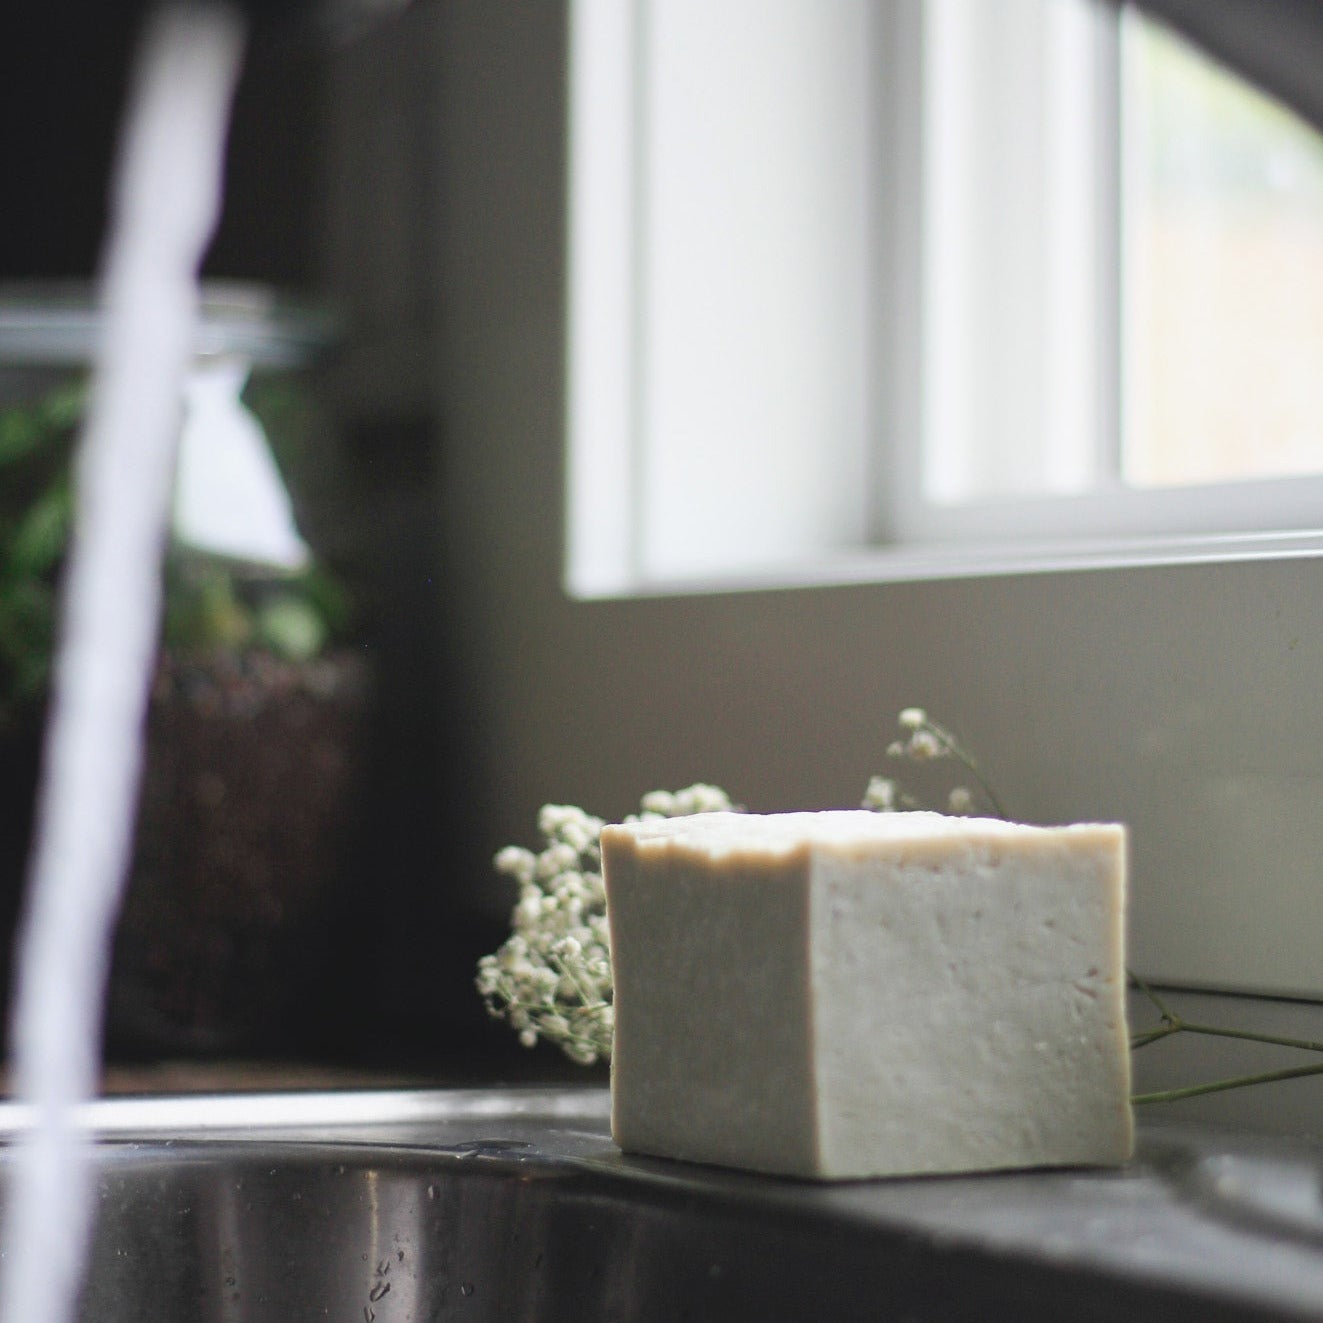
{"points": [[1148, 1225], [294, 1111]]}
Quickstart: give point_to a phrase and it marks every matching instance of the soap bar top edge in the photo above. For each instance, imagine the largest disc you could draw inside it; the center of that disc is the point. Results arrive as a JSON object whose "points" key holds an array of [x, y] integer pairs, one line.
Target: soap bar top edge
{"points": [[848, 830]]}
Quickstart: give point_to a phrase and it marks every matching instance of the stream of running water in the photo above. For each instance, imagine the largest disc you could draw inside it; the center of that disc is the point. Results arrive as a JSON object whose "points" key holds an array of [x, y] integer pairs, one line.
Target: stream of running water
{"points": [[164, 209]]}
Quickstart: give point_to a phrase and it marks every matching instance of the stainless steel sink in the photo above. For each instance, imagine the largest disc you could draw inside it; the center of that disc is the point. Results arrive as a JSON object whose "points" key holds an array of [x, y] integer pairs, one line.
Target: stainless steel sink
{"points": [[376, 1207]]}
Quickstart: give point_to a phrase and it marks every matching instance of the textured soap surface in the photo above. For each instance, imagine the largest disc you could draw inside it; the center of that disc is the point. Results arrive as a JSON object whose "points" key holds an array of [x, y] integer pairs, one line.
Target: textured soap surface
{"points": [[854, 994]]}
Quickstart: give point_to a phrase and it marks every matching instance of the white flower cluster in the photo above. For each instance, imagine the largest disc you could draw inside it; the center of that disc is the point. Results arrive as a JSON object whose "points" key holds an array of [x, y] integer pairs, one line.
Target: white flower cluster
{"points": [[552, 978], [685, 803], [925, 740], [881, 795]]}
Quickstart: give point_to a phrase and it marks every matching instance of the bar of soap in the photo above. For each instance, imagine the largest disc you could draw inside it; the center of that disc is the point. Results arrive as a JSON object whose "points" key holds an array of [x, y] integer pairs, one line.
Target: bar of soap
{"points": [[855, 994]]}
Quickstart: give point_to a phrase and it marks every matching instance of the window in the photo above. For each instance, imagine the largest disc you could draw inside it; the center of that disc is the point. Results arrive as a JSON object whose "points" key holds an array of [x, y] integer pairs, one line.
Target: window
{"points": [[1224, 274], [926, 274], [721, 235]]}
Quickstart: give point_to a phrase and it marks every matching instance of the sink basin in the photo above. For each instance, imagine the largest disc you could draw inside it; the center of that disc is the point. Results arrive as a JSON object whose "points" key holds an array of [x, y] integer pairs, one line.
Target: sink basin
{"points": [[515, 1205]]}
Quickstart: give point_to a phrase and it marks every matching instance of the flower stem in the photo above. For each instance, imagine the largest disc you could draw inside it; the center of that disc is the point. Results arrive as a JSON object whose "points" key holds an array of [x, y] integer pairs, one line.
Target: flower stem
{"points": [[1277, 1040], [559, 965], [1218, 1086], [1157, 1001], [963, 756], [1153, 1036], [1178, 1025], [1174, 1024]]}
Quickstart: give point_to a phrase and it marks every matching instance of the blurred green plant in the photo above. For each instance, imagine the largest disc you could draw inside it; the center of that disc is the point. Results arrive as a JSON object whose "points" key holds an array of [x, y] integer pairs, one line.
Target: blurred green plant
{"points": [[209, 601], [36, 514]]}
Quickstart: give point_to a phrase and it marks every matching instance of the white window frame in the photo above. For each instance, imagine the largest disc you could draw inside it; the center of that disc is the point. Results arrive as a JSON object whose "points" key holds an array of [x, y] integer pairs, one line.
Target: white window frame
{"points": [[1107, 519], [898, 533], [634, 235]]}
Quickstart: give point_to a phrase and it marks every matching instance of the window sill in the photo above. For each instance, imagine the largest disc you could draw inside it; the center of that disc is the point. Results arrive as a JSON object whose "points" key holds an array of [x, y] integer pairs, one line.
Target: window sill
{"points": [[918, 563]]}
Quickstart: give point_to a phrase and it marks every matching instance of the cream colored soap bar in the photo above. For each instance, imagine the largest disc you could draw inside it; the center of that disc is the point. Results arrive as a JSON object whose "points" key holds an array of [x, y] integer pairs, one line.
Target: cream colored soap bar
{"points": [[857, 994]]}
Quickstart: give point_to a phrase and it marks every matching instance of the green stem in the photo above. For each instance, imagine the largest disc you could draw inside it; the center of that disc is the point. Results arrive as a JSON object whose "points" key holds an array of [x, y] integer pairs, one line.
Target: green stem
{"points": [[958, 752], [1217, 1086], [1153, 1036], [564, 971], [1152, 996], [1247, 1035], [1174, 1024]]}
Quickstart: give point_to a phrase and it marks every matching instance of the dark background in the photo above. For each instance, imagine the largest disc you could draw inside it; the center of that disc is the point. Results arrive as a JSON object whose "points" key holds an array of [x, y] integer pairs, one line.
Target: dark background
{"points": [[397, 990]]}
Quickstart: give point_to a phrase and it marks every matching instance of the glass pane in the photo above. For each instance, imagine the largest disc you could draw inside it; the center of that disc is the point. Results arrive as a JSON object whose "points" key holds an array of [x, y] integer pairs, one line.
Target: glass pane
{"points": [[1012, 219], [1223, 331]]}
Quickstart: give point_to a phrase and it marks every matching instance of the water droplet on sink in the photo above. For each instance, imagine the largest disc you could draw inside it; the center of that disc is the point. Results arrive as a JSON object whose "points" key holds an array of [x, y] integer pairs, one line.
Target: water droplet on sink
{"points": [[431, 1192], [467, 1289]]}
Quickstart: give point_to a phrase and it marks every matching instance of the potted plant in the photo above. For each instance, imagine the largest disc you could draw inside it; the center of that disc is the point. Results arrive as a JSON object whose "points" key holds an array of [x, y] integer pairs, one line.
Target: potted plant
{"points": [[256, 710]]}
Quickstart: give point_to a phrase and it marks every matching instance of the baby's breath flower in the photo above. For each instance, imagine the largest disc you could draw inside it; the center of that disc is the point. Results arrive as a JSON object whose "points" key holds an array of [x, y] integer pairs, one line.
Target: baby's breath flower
{"points": [[577, 836], [925, 740], [558, 857], [580, 1052], [701, 798], [516, 862], [924, 745], [661, 802], [551, 978], [880, 795], [697, 798]]}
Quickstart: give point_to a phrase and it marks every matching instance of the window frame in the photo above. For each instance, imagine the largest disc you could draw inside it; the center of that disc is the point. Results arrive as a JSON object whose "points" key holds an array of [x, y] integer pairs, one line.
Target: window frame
{"points": [[899, 533]]}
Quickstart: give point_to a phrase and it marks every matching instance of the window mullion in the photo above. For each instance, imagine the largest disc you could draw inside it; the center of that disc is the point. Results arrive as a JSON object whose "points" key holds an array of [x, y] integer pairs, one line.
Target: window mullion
{"points": [[1110, 131], [897, 318]]}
